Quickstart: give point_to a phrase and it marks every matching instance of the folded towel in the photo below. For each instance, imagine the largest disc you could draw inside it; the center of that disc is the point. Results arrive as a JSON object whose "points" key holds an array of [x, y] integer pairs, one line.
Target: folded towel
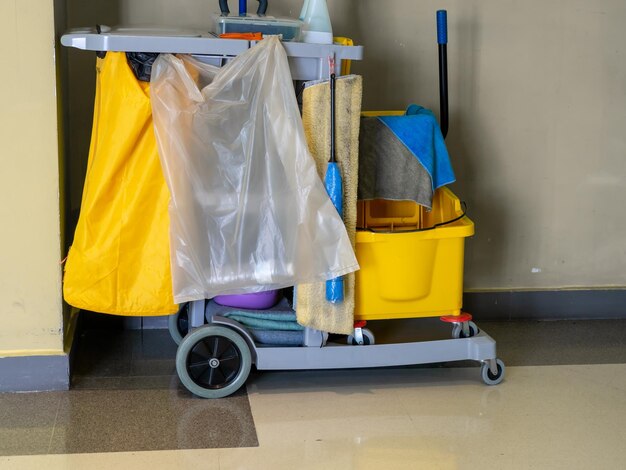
{"points": [[280, 317], [279, 338], [403, 157], [264, 323]]}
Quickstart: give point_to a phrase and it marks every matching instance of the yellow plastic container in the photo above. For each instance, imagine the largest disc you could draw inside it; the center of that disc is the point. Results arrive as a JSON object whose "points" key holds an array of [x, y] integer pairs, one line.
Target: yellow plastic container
{"points": [[410, 274]]}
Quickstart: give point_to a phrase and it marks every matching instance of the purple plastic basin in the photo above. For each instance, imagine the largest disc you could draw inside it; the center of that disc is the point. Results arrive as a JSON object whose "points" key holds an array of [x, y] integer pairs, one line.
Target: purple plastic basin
{"points": [[255, 301]]}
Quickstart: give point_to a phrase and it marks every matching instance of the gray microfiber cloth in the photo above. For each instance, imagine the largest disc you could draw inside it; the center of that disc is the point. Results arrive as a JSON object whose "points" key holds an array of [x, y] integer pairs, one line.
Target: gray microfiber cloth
{"points": [[388, 169]]}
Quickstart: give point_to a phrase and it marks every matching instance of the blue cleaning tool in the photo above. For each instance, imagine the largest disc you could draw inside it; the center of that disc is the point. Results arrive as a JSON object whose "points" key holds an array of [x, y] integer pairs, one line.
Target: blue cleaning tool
{"points": [[332, 181]]}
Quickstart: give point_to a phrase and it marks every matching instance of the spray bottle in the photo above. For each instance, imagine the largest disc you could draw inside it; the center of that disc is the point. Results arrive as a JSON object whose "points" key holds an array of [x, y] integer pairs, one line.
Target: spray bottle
{"points": [[317, 27]]}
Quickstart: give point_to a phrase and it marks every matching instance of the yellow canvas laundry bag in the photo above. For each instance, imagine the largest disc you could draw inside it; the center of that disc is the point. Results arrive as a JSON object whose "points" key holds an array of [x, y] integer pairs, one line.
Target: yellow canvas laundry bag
{"points": [[119, 262]]}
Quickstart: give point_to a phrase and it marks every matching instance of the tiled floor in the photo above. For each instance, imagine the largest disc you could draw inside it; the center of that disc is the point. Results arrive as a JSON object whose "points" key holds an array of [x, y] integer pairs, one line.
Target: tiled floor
{"points": [[562, 405], [125, 396]]}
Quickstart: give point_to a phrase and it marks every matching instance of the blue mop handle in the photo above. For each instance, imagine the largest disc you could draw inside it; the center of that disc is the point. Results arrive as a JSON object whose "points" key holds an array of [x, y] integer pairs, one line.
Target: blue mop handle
{"points": [[332, 181], [333, 186]]}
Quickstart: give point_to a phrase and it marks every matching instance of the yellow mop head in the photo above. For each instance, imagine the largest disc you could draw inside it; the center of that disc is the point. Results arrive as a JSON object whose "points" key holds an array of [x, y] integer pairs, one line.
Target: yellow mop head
{"points": [[312, 308]]}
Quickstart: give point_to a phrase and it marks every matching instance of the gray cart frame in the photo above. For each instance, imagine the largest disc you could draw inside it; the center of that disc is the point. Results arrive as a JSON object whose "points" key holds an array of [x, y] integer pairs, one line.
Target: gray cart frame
{"points": [[307, 62]]}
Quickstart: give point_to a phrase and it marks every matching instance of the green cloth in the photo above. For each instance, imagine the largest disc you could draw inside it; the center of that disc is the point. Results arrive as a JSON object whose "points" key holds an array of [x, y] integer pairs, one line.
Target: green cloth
{"points": [[267, 321]]}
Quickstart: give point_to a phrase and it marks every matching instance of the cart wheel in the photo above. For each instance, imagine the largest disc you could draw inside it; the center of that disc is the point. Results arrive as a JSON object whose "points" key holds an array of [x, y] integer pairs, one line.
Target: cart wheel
{"points": [[488, 377], [178, 324], [368, 338], [457, 330], [213, 361]]}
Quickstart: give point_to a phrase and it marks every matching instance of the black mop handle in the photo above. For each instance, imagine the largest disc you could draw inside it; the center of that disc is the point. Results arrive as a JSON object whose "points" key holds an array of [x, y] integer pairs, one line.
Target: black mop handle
{"points": [[442, 40], [332, 117]]}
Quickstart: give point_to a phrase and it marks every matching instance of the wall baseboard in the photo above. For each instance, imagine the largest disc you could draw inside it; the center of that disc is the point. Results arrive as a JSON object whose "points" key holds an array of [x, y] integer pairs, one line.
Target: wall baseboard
{"points": [[34, 373], [547, 305]]}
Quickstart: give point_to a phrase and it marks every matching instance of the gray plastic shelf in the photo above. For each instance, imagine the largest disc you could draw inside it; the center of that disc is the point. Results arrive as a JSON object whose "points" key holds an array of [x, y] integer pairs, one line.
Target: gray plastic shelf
{"points": [[307, 61]]}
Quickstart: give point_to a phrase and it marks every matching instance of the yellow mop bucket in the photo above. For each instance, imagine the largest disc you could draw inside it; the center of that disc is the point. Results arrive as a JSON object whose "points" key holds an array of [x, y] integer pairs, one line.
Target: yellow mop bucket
{"points": [[411, 259]]}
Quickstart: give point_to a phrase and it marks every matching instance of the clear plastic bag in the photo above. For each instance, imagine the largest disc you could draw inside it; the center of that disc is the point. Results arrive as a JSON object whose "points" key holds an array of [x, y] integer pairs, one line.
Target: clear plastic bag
{"points": [[248, 211]]}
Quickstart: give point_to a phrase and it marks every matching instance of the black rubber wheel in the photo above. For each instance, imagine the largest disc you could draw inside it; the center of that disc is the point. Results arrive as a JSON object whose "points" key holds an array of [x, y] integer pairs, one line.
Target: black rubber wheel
{"points": [[368, 338], [178, 324], [213, 361], [457, 331], [488, 377]]}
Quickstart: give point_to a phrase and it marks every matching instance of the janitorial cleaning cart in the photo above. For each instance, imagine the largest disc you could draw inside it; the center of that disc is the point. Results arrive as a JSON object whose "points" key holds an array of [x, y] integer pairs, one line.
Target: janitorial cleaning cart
{"points": [[410, 255]]}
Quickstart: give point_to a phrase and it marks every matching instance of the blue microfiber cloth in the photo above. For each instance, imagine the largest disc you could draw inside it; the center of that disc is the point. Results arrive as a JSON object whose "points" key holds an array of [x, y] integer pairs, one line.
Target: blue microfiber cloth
{"points": [[419, 131], [279, 318], [274, 326], [282, 338]]}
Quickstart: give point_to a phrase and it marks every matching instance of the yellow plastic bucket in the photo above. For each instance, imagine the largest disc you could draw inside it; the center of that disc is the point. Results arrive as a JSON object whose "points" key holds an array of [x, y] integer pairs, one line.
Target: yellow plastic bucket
{"points": [[406, 271]]}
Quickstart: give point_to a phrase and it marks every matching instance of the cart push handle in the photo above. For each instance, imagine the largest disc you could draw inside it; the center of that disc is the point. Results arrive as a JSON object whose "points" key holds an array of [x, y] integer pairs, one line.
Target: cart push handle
{"points": [[442, 41], [243, 7], [442, 27]]}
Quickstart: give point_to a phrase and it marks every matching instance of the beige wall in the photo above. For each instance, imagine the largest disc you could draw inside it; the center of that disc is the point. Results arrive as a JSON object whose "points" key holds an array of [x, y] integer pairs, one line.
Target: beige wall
{"points": [[537, 94], [30, 274]]}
